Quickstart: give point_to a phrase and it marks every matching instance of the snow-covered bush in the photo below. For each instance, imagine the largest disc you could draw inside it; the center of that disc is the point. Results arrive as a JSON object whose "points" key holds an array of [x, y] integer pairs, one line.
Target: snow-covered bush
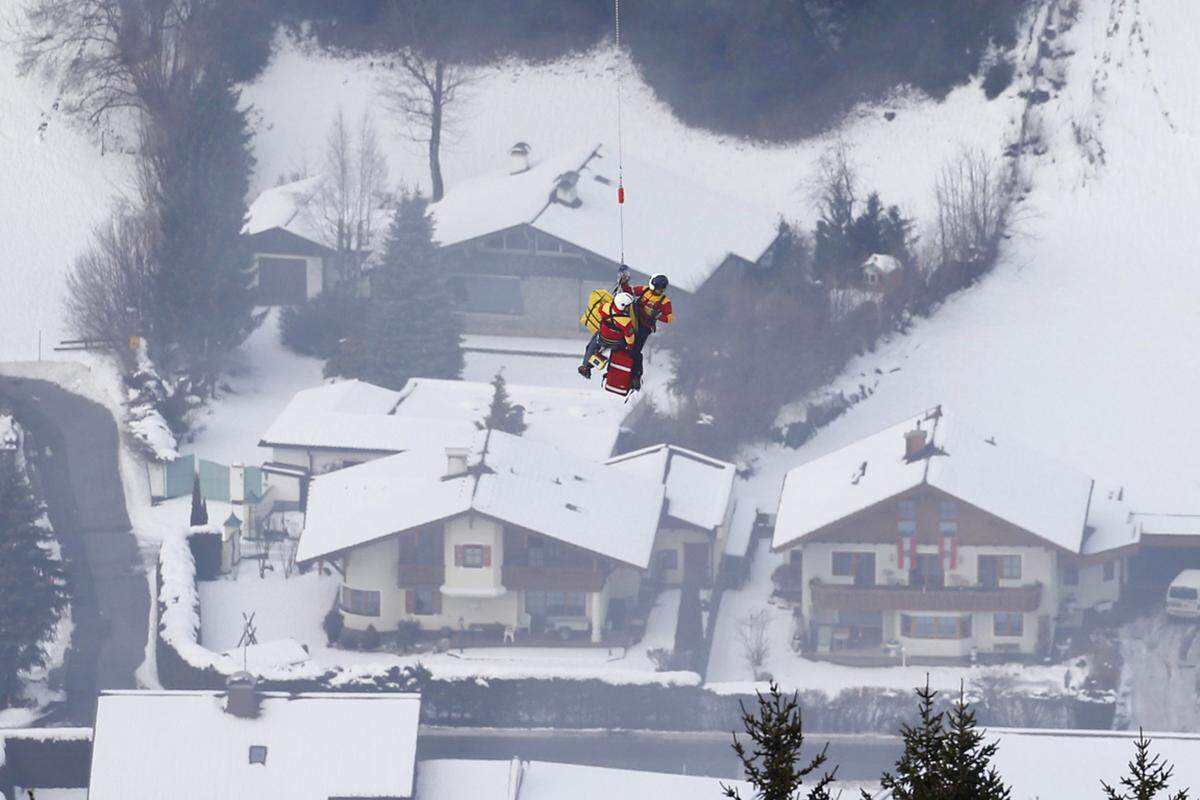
{"points": [[149, 402]]}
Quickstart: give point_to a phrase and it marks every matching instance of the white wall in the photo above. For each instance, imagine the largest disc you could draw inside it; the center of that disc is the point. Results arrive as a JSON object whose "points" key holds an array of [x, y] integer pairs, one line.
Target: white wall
{"points": [[471, 529]]}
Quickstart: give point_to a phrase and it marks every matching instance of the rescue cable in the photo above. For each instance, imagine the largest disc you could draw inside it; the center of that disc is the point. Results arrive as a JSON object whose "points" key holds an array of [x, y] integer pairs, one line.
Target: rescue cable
{"points": [[620, 173]]}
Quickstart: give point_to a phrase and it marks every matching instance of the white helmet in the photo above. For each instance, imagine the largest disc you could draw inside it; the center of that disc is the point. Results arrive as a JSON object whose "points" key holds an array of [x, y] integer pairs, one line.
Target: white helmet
{"points": [[622, 301]]}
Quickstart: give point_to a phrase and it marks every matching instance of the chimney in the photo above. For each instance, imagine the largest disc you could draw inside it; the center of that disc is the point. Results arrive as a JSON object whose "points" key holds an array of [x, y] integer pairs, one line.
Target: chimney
{"points": [[914, 443], [565, 190], [241, 695], [518, 156], [456, 460]]}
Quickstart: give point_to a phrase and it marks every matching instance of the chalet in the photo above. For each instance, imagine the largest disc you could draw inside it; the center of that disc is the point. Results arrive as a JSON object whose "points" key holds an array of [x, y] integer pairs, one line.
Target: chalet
{"points": [[939, 541], [524, 246], [697, 515], [882, 273], [504, 534], [345, 423], [243, 743]]}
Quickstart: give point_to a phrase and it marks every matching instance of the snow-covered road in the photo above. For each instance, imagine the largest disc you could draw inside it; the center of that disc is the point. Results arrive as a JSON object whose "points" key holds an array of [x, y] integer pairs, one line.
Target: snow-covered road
{"points": [[1161, 674]]}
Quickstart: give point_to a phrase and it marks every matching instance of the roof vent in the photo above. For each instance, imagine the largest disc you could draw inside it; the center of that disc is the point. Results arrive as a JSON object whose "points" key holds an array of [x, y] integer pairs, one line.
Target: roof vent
{"points": [[518, 156], [566, 189], [258, 754], [241, 695], [914, 443]]}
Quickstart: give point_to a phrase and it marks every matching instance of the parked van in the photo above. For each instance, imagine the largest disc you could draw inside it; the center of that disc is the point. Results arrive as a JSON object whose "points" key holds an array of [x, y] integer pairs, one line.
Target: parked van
{"points": [[1183, 595]]}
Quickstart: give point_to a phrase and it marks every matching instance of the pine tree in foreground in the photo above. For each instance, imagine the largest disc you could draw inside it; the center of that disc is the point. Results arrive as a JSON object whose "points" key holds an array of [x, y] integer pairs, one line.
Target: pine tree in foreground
{"points": [[502, 414], [412, 329], [1148, 776], [199, 509], [944, 757], [33, 588], [777, 734]]}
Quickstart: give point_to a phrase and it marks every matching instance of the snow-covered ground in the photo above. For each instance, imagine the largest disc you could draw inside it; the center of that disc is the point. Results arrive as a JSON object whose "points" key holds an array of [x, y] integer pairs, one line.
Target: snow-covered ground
{"points": [[572, 101], [729, 673], [1082, 341], [293, 607]]}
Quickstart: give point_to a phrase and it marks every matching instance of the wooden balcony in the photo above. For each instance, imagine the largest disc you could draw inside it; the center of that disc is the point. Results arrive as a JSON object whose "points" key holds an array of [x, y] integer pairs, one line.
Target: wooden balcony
{"points": [[421, 576], [558, 579], [914, 598]]}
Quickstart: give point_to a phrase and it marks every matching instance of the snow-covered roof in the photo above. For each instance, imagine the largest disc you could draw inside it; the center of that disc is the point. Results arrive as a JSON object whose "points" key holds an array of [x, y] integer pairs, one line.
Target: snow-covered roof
{"points": [[545, 780], [355, 415], [509, 478], [257, 658], [1110, 522], [741, 526], [992, 472], [1031, 761], [184, 745], [698, 487], [659, 204], [883, 263], [581, 421], [1151, 524], [296, 208]]}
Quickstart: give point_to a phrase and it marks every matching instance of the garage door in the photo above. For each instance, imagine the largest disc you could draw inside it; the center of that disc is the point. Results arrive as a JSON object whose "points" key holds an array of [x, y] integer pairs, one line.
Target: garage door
{"points": [[282, 281]]}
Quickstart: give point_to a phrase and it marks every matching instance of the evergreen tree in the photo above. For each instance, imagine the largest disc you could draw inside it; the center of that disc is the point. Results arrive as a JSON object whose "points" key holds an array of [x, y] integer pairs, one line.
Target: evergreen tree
{"points": [[33, 589], [199, 508], [198, 165], [1148, 776], [411, 328], [944, 757], [772, 767], [503, 415]]}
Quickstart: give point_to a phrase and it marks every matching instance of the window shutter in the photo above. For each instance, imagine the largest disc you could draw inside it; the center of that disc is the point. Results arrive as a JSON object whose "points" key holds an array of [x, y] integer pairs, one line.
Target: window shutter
{"points": [[487, 555], [437, 602], [410, 601], [458, 555]]}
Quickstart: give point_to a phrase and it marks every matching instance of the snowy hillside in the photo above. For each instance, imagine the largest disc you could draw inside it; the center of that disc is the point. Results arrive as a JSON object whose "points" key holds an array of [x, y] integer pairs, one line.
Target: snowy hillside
{"points": [[1083, 341], [55, 186], [572, 102]]}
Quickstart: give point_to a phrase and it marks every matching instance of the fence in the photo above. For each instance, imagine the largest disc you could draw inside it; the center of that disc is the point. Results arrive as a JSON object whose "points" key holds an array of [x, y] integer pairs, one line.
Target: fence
{"points": [[217, 481]]}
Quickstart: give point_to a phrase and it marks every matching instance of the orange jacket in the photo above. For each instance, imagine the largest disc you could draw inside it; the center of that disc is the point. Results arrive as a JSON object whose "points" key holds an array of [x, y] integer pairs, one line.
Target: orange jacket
{"points": [[616, 326], [653, 306]]}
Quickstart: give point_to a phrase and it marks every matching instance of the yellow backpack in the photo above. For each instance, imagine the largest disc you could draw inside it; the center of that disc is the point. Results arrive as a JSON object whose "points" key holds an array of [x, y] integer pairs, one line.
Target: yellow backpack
{"points": [[591, 317]]}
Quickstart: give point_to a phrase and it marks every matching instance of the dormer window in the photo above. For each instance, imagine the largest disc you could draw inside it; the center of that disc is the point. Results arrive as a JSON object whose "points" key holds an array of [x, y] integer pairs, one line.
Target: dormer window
{"points": [[258, 754]]}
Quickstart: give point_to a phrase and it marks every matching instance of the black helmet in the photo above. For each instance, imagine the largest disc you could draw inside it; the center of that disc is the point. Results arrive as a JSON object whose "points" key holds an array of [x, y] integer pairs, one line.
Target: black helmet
{"points": [[659, 282]]}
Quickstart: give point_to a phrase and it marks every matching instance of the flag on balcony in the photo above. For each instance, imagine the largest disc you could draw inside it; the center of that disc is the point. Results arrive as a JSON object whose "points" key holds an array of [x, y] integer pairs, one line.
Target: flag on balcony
{"points": [[948, 552]]}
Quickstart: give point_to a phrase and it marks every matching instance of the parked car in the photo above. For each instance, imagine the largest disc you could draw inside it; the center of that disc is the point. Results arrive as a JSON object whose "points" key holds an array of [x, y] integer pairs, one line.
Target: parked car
{"points": [[1183, 595]]}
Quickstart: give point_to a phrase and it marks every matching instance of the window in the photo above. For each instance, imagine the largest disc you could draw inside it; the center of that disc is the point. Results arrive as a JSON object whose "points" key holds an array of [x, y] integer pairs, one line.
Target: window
{"points": [[860, 566], [926, 572], [472, 556], [429, 547], [906, 528], [556, 604], [1182, 593], [488, 294], [948, 528], [947, 510], [1008, 623], [796, 556], [907, 509], [935, 627], [258, 754], [424, 602], [668, 560], [1110, 570], [360, 602], [1070, 576], [1010, 568]]}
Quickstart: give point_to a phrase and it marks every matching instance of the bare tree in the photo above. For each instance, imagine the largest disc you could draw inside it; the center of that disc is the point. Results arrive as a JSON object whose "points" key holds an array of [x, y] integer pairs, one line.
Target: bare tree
{"points": [[836, 186], [109, 287], [971, 206], [108, 55], [345, 204], [752, 633], [422, 92]]}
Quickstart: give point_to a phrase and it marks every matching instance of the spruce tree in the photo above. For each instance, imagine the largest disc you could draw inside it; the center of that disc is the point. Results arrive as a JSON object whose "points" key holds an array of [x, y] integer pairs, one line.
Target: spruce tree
{"points": [[503, 415], [920, 768], [33, 590], [1148, 776], [199, 508], [198, 166], [970, 773], [411, 327], [772, 766]]}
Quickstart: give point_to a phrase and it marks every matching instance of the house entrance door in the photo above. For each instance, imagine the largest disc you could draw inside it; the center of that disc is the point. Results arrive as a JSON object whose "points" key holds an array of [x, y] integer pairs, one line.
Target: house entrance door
{"points": [[695, 564]]}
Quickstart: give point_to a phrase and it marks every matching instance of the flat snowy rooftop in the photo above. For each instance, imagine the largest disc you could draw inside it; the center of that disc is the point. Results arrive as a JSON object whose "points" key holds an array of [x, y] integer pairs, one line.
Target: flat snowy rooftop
{"points": [[698, 487], [992, 472], [151, 745]]}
